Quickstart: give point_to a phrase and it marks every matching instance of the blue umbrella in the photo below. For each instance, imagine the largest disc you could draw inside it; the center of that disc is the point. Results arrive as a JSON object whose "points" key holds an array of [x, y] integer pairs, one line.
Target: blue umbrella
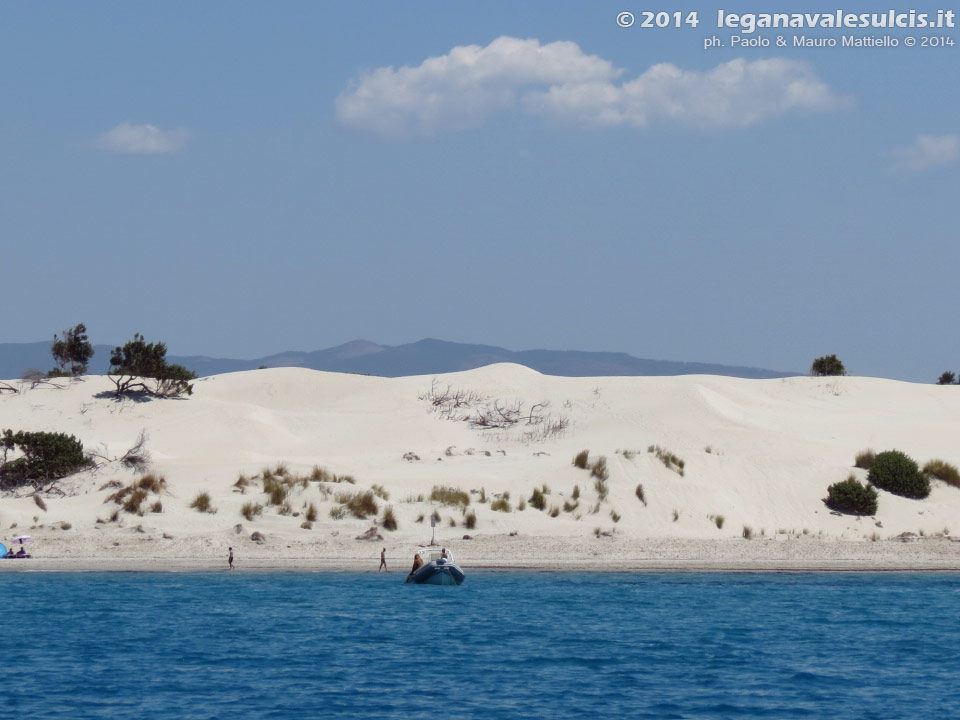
{"points": [[3, 549]]}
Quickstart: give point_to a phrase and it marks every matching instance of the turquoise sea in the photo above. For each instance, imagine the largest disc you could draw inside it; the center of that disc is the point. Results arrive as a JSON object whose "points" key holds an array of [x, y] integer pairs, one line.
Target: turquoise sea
{"points": [[503, 645]]}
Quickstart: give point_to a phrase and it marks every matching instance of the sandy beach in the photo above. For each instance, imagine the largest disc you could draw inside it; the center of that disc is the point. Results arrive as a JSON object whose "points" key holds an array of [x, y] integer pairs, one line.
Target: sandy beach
{"points": [[757, 457]]}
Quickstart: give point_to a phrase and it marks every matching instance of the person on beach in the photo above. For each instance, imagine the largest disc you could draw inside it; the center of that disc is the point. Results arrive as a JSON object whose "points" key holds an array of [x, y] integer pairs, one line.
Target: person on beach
{"points": [[230, 558], [383, 560]]}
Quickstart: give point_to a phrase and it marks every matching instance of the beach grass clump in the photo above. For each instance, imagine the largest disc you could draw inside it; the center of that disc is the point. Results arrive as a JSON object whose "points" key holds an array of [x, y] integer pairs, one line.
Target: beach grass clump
{"points": [[449, 496], [599, 469], [718, 521], [538, 500], [311, 513], [502, 504], [451, 522], [615, 516], [152, 483], [380, 492], [321, 474], [359, 504], [576, 492], [899, 474], [389, 520], [133, 500], [747, 532], [284, 508], [581, 458], [435, 516], [201, 503], [943, 470], [569, 507], [670, 460], [864, 459], [242, 483], [338, 512], [275, 488], [676, 515], [157, 507], [251, 510], [554, 511], [850, 496], [470, 520], [603, 490], [641, 496]]}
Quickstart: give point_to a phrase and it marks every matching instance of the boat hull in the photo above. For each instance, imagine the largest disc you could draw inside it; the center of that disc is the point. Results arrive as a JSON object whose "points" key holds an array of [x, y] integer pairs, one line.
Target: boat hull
{"points": [[436, 573]]}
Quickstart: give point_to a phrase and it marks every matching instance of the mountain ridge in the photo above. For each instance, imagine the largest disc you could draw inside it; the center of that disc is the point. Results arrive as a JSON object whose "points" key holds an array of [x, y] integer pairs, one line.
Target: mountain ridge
{"points": [[423, 357]]}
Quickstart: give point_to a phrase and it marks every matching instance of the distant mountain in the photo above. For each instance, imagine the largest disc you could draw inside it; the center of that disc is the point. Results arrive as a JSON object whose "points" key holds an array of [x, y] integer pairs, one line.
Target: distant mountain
{"points": [[425, 357]]}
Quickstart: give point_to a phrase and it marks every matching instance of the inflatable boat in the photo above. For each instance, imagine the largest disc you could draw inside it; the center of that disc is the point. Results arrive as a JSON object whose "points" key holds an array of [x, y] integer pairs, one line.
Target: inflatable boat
{"points": [[435, 569]]}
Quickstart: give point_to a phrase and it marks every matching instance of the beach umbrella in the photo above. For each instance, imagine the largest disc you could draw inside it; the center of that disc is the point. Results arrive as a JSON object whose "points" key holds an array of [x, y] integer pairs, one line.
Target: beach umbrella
{"points": [[23, 539], [3, 549]]}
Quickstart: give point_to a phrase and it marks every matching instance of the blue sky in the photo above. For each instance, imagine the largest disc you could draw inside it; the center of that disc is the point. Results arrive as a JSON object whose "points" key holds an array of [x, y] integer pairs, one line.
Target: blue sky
{"points": [[240, 178]]}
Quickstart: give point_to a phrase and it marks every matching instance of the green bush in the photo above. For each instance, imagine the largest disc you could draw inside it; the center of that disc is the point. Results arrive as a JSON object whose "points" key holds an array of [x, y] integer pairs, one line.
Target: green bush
{"points": [[946, 378], [851, 497], [46, 456], [827, 365], [895, 472], [943, 471]]}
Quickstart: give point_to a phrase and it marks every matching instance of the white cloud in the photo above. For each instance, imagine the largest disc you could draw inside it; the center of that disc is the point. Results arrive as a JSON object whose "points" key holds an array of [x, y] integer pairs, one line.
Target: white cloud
{"points": [[142, 139], [558, 80], [929, 150], [463, 87]]}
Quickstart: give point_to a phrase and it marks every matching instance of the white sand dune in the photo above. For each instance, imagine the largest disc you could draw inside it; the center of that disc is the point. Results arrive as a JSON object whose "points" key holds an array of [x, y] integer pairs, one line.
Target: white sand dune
{"points": [[774, 447]]}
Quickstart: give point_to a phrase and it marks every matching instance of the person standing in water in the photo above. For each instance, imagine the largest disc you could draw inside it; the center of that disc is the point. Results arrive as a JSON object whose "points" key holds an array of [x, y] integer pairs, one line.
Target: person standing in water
{"points": [[383, 560], [230, 558]]}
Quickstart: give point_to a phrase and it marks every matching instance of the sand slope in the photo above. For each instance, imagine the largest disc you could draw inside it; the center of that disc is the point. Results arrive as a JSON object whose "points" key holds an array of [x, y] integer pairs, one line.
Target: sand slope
{"points": [[774, 446]]}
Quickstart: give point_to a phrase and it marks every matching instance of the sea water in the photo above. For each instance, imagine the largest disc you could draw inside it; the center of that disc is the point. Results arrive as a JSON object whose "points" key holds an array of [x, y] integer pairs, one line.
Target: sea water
{"points": [[503, 645]]}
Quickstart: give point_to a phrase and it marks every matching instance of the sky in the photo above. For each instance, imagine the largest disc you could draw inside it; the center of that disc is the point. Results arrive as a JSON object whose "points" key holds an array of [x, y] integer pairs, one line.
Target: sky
{"points": [[241, 178]]}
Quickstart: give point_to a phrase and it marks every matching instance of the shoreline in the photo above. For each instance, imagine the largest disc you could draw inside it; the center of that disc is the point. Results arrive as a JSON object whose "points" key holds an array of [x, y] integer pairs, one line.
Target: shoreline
{"points": [[530, 554]]}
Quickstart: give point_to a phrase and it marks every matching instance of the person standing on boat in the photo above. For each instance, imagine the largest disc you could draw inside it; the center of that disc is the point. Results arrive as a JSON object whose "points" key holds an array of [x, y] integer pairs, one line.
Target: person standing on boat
{"points": [[383, 560], [443, 554]]}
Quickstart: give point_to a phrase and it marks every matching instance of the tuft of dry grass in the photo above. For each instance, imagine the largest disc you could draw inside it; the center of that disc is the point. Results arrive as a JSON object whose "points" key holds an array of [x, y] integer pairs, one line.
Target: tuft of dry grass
{"points": [[640, 494], [941, 470], [251, 510], [389, 521], [581, 458], [864, 459], [380, 492], [669, 459], [470, 520], [502, 504], [201, 503], [311, 514], [449, 496]]}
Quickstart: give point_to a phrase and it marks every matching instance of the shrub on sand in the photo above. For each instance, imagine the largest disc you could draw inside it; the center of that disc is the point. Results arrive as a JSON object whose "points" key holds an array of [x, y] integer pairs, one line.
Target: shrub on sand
{"points": [[897, 473], [851, 497], [501, 504], [470, 520]]}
